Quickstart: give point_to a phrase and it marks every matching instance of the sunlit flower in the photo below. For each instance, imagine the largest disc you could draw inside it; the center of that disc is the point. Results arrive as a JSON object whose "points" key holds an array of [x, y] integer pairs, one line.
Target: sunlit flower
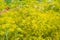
{"points": [[2, 32]]}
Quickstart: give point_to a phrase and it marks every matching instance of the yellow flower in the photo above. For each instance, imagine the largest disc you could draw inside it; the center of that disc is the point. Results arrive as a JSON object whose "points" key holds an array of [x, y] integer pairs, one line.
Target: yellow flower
{"points": [[3, 26], [1, 0], [2, 32], [17, 38], [11, 29], [19, 29]]}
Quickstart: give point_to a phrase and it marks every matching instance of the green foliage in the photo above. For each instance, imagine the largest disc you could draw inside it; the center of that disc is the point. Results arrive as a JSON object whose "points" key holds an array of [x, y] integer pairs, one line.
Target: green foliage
{"points": [[8, 2]]}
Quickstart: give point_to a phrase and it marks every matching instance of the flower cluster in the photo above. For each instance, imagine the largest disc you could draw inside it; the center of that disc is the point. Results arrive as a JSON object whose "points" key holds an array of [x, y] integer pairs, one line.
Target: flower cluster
{"points": [[30, 20]]}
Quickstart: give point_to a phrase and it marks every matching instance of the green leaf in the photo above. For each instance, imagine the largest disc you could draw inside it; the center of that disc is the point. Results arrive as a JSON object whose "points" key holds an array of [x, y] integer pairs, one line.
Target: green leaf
{"points": [[8, 1]]}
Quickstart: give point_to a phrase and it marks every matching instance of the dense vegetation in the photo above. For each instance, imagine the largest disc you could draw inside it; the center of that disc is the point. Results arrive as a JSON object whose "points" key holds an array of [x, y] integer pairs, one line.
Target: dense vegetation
{"points": [[29, 19]]}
